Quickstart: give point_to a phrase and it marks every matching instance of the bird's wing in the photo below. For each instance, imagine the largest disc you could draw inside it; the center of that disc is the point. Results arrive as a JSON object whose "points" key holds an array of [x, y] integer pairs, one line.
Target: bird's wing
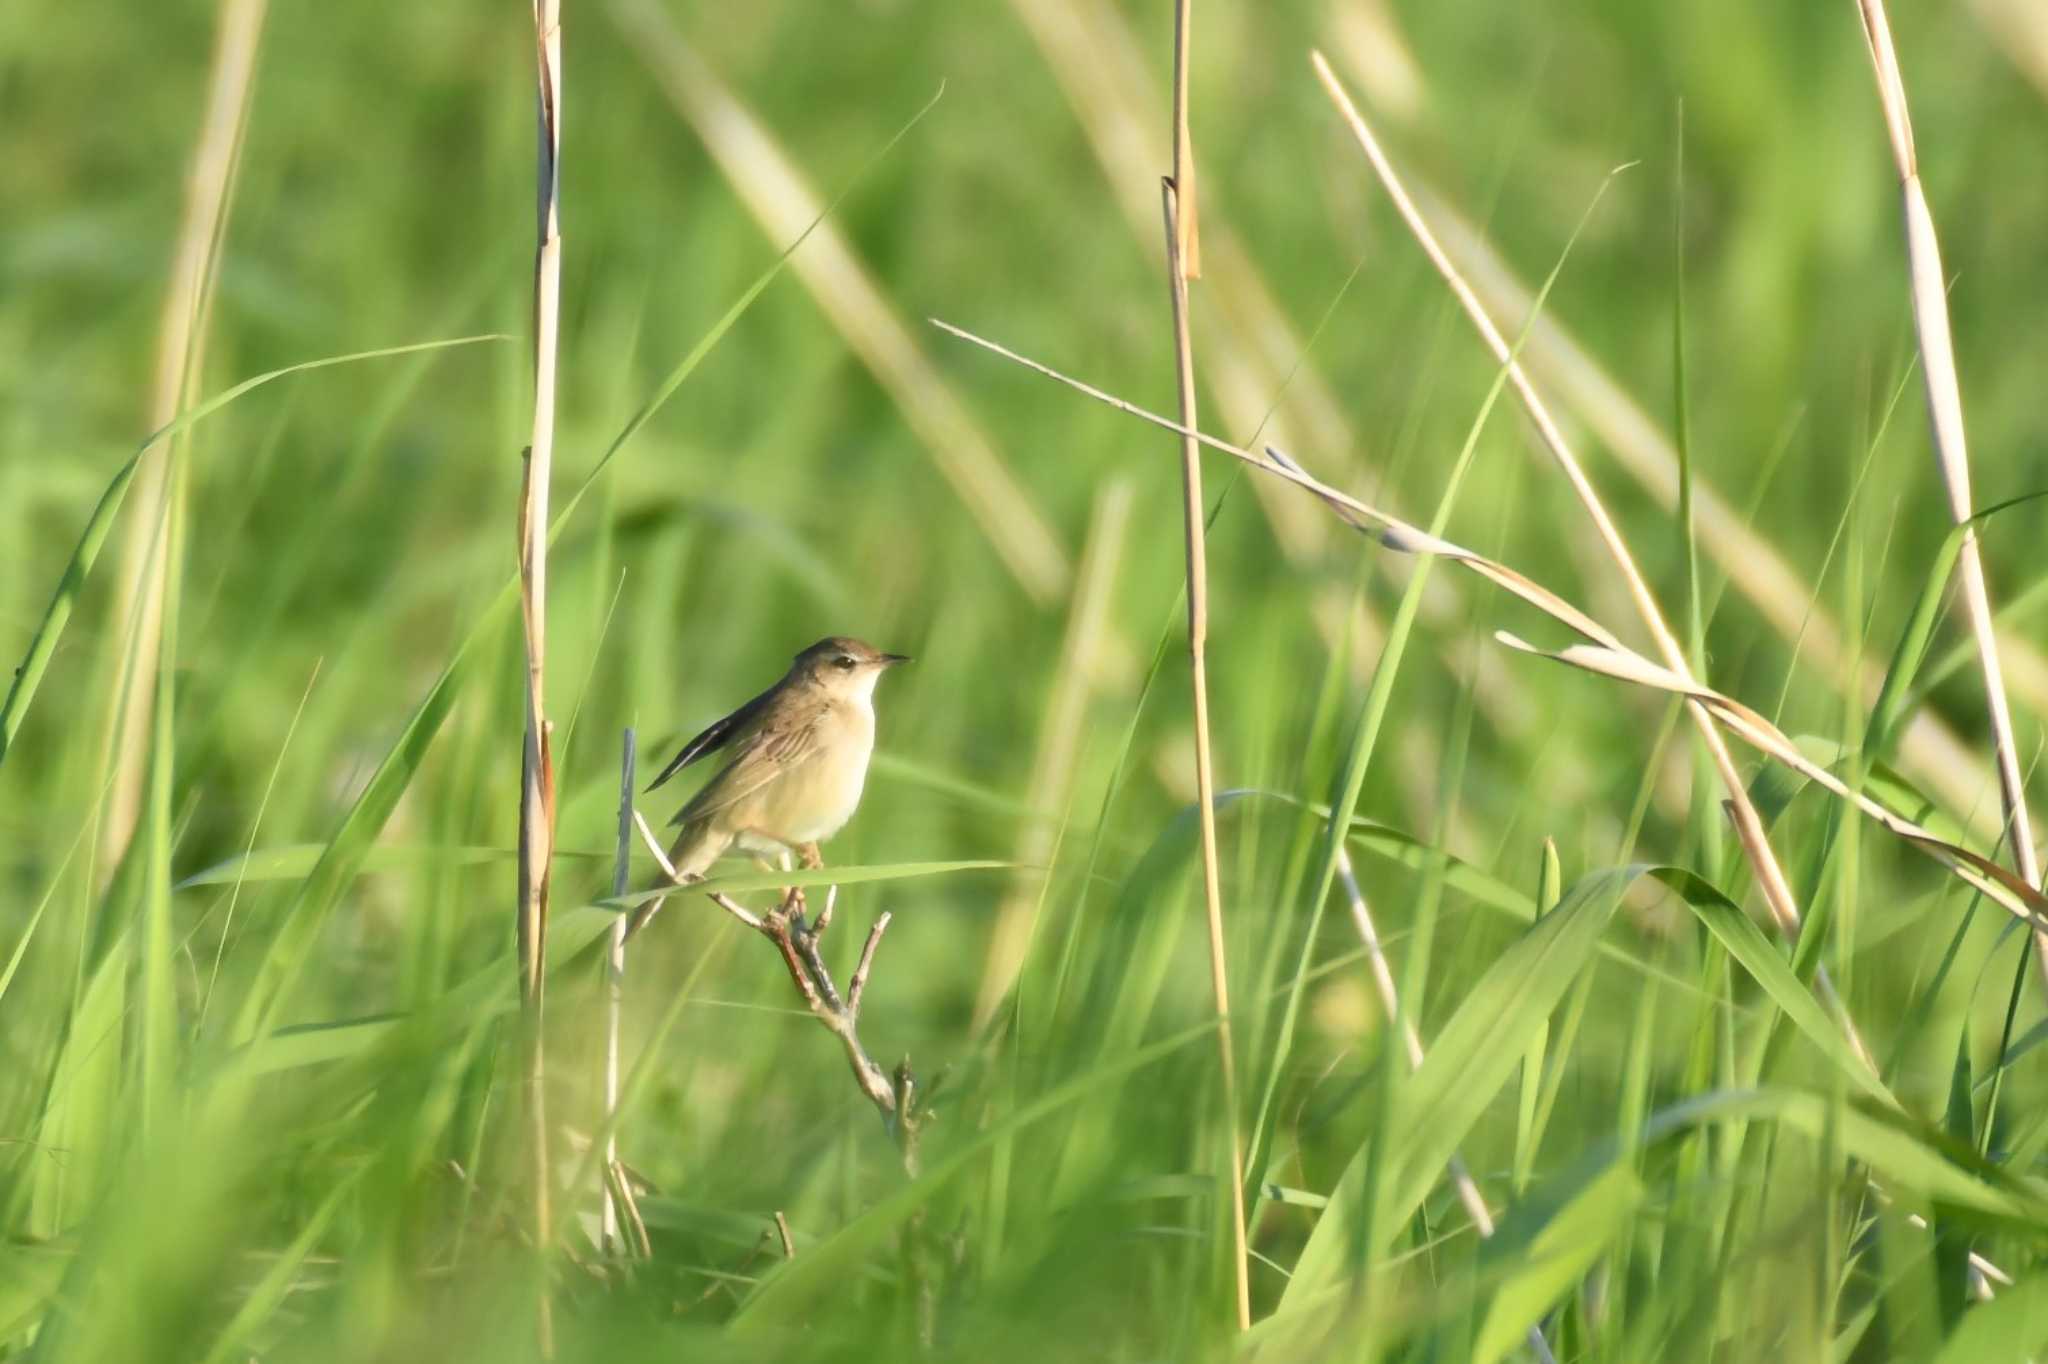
{"points": [[717, 736], [770, 754]]}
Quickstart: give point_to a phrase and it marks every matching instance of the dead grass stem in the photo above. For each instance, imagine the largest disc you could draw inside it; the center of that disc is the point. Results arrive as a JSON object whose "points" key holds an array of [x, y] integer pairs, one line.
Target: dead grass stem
{"points": [[181, 349], [537, 787], [1194, 511], [1945, 409]]}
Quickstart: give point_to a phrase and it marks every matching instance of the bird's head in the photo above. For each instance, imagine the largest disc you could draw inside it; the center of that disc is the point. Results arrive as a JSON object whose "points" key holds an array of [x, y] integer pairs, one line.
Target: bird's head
{"points": [[843, 666]]}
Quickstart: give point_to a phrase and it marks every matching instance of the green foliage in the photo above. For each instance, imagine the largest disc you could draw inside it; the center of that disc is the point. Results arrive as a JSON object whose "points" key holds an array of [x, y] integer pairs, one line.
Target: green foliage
{"points": [[258, 1080]]}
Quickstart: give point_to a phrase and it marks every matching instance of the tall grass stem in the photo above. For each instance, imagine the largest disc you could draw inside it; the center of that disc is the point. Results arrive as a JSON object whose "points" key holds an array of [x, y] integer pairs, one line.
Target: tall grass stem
{"points": [[181, 348], [1945, 410], [1193, 513], [536, 791]]}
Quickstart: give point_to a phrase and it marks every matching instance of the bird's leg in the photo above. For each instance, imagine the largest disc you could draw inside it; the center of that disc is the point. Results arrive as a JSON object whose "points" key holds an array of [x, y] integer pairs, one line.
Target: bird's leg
{"points": [[792, 896], [794, 900], [811, 859]]}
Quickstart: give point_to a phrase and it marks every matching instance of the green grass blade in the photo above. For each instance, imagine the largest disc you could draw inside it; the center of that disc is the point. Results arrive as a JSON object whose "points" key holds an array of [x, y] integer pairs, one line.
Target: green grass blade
{"points": [[156, 1056], [268, 1293], [2012, 1325], [44, 643], [1746, 943], [297, 932], [295, 861], [687, 366], [1364, 737], [1466, 1064], [1549, 890], [1891, 705], [1549, 1253], [832, 1262], [78, 1130], [1705, 781], [742, 882], [344, 854]]}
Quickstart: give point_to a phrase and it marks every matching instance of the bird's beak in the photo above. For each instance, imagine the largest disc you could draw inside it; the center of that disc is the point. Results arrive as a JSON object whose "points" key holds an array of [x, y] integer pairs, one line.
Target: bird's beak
{"points": [[891, 660]]}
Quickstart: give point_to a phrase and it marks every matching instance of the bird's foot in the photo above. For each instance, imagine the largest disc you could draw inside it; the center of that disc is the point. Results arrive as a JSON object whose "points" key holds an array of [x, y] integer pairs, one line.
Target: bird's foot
{"points": [[793, 902]]}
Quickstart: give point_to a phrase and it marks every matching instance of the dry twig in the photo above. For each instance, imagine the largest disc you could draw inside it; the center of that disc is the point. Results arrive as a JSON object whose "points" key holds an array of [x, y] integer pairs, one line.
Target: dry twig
{"points": [[796, 941]]}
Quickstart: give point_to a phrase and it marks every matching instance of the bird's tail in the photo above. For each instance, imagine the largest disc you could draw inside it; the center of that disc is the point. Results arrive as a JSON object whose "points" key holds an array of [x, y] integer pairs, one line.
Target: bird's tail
{"points": [[696, 847]]}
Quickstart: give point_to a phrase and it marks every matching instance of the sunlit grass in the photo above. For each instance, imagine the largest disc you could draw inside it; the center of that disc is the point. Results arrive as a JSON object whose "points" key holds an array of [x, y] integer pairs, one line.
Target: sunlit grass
{"points": [[260, 1094]]}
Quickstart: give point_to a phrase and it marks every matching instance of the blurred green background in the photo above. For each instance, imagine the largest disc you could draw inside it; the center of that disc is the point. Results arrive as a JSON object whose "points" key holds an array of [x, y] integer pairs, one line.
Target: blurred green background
{"points": [[270, 1115]]}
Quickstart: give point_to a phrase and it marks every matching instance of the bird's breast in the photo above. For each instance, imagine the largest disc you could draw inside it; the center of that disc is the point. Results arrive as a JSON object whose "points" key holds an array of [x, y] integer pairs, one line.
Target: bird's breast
{"points": [[831, 784]]}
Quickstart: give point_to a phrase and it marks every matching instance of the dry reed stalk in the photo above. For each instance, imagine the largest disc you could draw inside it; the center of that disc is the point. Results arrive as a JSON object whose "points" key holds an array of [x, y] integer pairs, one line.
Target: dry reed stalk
{"points": [[1090, 630], [1770, 875], [1194, 510], [1993, 881], [775, 192], [2016, 896], [1257, 368], [181, 347], [1945, 408], [1252, 360], [537, 785], [1186, 209], [1411, 1041], [1605, 654], [1927, 748]]}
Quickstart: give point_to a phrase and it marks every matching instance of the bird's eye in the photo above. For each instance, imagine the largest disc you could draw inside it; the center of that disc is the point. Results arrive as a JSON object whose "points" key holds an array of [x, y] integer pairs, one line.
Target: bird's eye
{"points": [[843, 661]]}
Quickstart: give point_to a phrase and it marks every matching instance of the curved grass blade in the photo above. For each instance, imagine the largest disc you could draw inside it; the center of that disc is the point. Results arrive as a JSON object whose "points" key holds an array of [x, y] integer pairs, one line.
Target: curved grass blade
{"points": [[2010, 892], [80, 1112], [1895, 698], [823, 1268], [2013, 1325], [741, 882], [343, 857], [1552, 1256], [295, 861], [1467, 1063], [1745, 942], [270, 1291], [58, 614], [1909, 1154], [1572, 1219], [1364, 738]]}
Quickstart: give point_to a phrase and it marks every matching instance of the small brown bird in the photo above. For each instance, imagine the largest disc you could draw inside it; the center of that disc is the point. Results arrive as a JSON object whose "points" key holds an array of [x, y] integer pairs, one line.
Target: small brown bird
{"points": [[799, 759]]}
